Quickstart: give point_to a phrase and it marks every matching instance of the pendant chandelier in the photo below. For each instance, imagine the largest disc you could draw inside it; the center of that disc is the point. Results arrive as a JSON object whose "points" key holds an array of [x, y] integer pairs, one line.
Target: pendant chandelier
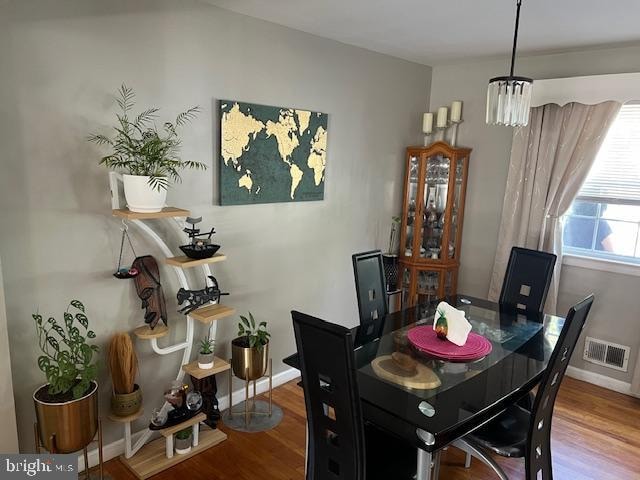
{"points": [[509, 97]]}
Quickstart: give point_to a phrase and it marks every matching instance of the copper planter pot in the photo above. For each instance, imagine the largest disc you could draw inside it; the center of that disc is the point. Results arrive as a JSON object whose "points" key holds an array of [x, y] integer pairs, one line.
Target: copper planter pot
{"points": [[67, 427], [252, 358]]}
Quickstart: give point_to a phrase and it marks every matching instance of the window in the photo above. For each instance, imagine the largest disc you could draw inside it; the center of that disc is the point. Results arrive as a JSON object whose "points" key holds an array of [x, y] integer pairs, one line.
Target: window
{"points": [[604, 219]]}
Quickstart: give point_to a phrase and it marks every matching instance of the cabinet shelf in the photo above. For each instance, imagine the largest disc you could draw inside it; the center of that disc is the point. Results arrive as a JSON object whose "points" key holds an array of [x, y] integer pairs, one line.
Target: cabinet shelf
{"points": [[186, 262], [147, 333], [167, 212], [209, 313], [219, 366]]}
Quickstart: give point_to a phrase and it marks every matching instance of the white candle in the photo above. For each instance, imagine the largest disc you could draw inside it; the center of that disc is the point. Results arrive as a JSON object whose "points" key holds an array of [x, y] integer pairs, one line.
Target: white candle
{"points": [[441, 121], [456, 111], [427, 123]]}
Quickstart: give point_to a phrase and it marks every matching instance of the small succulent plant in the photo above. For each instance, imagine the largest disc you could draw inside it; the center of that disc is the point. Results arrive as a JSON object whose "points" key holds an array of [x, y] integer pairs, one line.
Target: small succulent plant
{"points": [[206, 346]]}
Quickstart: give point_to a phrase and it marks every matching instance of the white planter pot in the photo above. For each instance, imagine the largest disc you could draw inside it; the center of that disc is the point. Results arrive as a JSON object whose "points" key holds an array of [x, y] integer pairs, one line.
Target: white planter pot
{"points": [[205, 361], [140, 196]]}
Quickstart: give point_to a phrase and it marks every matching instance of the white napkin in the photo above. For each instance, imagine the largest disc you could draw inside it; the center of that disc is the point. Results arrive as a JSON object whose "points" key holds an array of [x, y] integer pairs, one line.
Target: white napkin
{"points": [[458, 327]]}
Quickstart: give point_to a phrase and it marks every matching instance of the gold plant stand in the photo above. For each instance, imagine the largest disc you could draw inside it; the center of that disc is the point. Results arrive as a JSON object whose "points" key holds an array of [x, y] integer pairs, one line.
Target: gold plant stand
{"points": [[258, 415], [85, 453]]}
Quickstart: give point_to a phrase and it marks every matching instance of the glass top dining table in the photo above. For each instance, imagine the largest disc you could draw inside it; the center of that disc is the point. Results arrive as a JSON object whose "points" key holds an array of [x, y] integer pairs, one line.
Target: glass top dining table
{"points": [[431, 402]]}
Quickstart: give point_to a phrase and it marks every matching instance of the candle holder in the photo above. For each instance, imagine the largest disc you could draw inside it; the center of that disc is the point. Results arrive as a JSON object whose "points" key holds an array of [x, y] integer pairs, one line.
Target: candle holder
{"points": [[427, 138], [454, 132], [440, 133]]}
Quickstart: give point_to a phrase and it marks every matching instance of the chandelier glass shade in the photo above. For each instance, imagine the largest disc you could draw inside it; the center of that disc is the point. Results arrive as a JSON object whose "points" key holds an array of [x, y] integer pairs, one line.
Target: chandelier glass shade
{"points": [[509, 97]]}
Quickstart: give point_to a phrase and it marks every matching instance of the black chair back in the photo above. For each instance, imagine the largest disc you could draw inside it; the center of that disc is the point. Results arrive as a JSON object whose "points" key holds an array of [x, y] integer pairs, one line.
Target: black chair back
{"points": [[336, 432], [527, 279], [371, 289], [538, 457]]}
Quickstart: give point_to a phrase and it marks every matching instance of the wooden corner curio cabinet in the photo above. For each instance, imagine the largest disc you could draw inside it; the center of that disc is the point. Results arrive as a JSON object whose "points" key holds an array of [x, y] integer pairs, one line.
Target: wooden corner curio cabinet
{"points": [[432, 213]]}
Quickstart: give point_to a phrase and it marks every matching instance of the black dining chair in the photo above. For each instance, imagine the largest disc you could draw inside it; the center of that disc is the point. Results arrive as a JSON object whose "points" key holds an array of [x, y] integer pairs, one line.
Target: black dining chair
{"points": [[338, 440], [521, 433], [527, 280], [371, 289]]}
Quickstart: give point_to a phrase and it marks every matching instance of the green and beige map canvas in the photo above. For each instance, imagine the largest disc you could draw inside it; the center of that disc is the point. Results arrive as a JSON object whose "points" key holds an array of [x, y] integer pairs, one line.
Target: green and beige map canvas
{"points": [[271, 154]]}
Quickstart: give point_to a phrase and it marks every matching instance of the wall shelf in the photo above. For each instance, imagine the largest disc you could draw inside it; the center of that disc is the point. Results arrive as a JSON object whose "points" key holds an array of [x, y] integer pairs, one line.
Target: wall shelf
{"points": [[219, 366], [128, 418], [209, 313], [146, 333], [186, 262], [151, 458], [167, 212]]}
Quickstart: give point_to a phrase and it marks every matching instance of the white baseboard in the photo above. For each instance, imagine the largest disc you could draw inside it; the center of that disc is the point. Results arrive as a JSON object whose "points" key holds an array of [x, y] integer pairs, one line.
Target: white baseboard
{"points": [[599, 380], [114, 449]]}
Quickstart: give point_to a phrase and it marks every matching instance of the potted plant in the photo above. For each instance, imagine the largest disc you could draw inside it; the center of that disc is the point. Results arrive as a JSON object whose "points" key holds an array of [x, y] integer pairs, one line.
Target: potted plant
{"points": [[149, 157], [183, 441], [126, 398], [205, 353], [66, 406], [250, 351]]}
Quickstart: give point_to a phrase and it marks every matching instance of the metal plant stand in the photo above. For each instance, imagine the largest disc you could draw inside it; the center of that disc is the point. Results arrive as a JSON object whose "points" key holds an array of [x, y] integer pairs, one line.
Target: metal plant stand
{"points": [[253, 415], [87, 476]]}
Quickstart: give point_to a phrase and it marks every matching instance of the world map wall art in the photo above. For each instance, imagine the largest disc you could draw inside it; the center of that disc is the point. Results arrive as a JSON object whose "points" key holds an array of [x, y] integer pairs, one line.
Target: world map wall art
{"points": [[271, 154]]}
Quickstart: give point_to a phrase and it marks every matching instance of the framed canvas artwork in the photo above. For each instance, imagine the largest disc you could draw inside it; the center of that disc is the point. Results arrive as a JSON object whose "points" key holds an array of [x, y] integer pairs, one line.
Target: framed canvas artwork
{"points": [[271, 154]]}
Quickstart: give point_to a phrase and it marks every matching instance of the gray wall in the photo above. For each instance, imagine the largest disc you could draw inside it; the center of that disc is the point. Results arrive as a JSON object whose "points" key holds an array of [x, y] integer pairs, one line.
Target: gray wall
{"points": [[615, 313], [61, 61]]}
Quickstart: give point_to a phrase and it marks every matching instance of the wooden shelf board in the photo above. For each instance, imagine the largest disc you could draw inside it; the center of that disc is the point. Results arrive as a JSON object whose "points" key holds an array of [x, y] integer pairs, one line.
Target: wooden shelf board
{"points": [[209, 313], [167, 212], [151, 458], [165, 432], [186, 262], [146, 333], [219, 365], [127, 419]]}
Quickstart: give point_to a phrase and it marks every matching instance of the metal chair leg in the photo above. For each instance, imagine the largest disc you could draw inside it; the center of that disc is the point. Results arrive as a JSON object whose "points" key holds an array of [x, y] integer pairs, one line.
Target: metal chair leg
{"points": [[424, 468], [484, 457], [436, 465]]}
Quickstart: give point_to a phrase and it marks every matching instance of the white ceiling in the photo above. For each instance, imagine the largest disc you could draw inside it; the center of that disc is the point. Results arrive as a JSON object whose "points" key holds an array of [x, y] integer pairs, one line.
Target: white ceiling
{"points": [[439, 31]]}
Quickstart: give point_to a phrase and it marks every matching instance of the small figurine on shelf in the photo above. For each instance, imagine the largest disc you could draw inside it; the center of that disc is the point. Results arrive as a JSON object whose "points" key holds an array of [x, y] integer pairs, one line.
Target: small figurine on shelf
{"points": [[197, 298], [199, 247], [185, 406], [149, 290]]}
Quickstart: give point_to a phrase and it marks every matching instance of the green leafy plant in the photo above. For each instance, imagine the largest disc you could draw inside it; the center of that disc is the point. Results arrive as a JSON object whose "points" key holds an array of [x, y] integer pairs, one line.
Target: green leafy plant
{"points": [[255, 336], [67, 360], [140, 149], [206, 346], [184, 434]]}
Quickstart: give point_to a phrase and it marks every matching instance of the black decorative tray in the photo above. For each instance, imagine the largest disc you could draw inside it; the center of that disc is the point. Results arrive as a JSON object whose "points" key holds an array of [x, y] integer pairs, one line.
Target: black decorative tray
{"points": [[198, 252]]}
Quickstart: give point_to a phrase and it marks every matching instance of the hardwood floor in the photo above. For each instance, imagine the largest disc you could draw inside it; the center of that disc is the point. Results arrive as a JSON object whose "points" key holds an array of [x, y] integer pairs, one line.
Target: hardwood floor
{"points": [[596, 435]]}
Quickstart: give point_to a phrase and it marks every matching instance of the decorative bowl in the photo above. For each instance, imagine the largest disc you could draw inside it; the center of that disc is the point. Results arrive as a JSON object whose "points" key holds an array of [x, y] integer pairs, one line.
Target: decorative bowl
{"points": [[198, 252]]}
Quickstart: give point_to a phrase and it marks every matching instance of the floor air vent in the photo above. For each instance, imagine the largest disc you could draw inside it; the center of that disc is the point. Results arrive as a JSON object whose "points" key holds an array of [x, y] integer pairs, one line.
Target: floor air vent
{"points": [[606, 354]]}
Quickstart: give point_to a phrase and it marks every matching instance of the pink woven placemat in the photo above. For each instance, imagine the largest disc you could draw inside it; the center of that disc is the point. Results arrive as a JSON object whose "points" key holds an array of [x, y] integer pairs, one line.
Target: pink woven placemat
{"points": [[424, 338]]}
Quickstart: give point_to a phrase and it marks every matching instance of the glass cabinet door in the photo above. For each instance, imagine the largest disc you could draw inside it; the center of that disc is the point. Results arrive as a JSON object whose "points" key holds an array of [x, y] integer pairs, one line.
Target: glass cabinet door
{"points": [[412, 207], [427, 286], [455, 210], [434, 206]]}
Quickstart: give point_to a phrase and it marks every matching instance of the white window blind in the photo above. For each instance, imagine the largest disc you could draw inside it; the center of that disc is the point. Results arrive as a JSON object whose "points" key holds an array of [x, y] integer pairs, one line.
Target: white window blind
{"points": [[615, 175]]}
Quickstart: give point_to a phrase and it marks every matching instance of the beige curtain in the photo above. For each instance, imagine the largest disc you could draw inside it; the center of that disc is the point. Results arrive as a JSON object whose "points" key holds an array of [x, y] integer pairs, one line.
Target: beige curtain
{"points": [[550, 159]]}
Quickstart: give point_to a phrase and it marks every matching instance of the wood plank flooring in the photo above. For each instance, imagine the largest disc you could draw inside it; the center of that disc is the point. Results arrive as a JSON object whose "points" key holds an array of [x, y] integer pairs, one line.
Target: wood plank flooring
{"points": [[596, 436]]}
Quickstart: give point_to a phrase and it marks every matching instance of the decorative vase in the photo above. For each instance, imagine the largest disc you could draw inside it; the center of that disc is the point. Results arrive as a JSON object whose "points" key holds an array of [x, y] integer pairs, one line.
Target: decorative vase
{"points": [[66, 426], [140, 196], [182, 446], [125, 404], [248, 363], [205, 360]]}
